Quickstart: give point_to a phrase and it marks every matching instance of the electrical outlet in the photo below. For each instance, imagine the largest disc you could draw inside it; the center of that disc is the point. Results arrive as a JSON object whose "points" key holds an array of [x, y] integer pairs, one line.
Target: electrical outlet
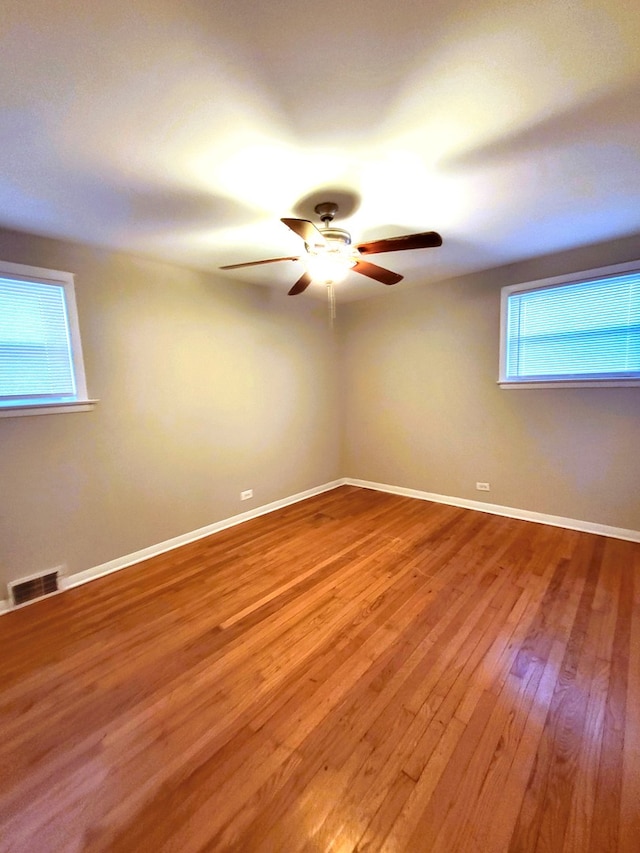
{"points": [[244, 496], [483, 487]]}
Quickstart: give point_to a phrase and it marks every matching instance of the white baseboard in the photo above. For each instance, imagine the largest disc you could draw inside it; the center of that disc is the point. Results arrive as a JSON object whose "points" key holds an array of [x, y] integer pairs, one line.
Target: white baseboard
{"points": [[170, 544], [508, 511]]}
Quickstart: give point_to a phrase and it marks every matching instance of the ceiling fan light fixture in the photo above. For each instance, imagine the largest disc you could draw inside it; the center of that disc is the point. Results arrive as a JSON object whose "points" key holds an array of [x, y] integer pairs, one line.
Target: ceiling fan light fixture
{"points": [[332, 263]]}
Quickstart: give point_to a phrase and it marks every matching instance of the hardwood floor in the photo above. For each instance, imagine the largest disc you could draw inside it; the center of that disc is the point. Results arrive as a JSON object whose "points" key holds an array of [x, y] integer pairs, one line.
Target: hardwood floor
{"points": [[356, 672]]}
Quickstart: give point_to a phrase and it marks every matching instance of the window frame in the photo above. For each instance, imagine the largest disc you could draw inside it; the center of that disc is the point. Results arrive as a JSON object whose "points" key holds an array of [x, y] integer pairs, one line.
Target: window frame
{"points": [[541, 284], [57, 278]]}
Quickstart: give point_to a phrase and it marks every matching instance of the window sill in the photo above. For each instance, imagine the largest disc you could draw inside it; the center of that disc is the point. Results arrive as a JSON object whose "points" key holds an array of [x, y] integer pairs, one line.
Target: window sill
{"points": [[570, 383], [48, 409]]}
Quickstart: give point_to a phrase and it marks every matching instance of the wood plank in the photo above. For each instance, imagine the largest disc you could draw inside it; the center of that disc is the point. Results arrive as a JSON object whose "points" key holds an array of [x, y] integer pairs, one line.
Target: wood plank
{"points": [[606, 829], [562, 733], [629, 809]]}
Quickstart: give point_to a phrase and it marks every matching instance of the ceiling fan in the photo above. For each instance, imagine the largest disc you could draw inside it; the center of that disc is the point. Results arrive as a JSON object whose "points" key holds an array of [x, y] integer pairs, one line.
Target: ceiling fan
{"points": [[329, 254]]}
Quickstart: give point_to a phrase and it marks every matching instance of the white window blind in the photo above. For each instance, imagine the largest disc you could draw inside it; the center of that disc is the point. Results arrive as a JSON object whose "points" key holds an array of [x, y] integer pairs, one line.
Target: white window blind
{"points": [[580, 330], [40, 353]]}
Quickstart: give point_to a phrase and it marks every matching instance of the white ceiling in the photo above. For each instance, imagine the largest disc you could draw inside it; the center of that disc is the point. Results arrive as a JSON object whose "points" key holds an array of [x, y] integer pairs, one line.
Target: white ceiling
{"points": [[185, 130]]}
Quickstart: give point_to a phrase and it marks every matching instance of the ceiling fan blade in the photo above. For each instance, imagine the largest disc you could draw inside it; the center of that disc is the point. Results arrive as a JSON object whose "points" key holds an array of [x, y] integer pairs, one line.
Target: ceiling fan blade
{"points": [[256, 263], [305, 229], [301, 284], [425, 240], [379, 273]]}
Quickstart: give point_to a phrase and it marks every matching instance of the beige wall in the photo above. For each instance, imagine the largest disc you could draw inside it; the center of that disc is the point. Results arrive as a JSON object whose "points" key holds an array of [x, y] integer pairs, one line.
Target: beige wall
{"points": [[206, 388], [423, 411]]}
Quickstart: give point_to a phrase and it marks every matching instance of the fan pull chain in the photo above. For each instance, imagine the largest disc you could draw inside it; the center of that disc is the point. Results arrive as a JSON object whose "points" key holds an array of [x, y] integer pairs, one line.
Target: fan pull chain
{"points": [[332, 303]]}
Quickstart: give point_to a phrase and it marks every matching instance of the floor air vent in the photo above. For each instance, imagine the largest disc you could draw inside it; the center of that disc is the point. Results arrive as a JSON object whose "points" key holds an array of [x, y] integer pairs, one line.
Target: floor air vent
{"points": [[36, 586]]}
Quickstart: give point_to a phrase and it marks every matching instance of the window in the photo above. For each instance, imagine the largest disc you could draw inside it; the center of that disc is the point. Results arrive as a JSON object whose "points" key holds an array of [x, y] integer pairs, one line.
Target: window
{"points": [[573, 330], [41, 369]]}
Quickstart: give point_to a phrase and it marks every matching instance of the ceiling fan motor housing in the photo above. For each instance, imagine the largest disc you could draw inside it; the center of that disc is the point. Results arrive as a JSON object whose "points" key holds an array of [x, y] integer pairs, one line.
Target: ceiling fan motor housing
{"points": [[336, 235], [327, 211]]}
